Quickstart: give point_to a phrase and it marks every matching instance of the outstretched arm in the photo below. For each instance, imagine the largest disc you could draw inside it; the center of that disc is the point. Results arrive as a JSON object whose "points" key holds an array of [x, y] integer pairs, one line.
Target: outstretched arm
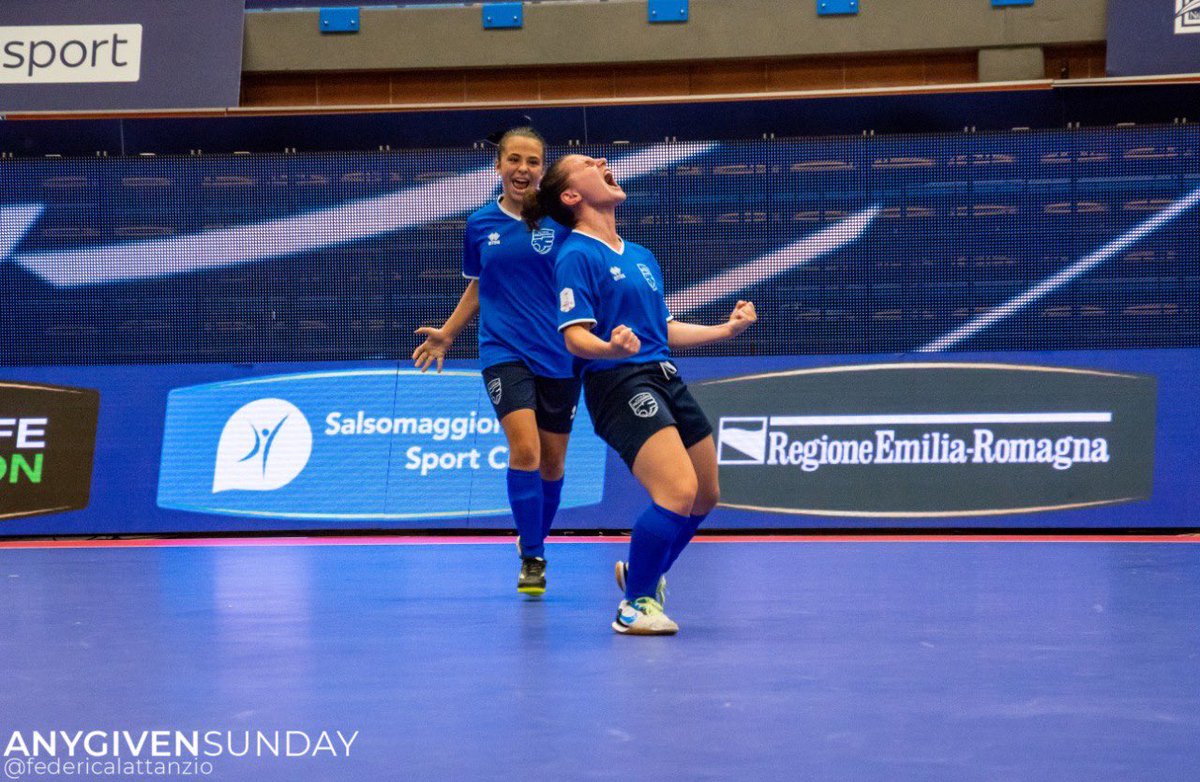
{"points": [[690, 335], [583, 343], [438, 340]]}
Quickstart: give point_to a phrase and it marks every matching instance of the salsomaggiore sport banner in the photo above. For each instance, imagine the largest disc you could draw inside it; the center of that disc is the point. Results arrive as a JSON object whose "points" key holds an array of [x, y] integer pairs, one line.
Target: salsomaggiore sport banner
{"points": [[1069, 439]]}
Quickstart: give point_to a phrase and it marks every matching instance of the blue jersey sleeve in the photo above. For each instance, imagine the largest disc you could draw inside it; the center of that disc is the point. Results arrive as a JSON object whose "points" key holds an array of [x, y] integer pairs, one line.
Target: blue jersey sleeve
{"points": [[576, 293], [472, 267]]}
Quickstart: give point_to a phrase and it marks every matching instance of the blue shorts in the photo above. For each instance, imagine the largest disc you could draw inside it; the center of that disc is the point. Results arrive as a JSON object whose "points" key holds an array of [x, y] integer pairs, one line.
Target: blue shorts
{"points": [[512, 386], [629, 404]]}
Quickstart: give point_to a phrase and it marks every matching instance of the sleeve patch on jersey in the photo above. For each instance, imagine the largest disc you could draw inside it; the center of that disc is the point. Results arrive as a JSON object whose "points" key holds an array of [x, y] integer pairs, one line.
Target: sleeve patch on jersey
{"points": [[566, 300]]}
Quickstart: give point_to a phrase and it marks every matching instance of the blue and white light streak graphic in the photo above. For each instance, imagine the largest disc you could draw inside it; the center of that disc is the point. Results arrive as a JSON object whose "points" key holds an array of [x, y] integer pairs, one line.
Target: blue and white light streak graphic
{"points": [[286, 236], [793, 256], [1064, 277], [15, 222]]}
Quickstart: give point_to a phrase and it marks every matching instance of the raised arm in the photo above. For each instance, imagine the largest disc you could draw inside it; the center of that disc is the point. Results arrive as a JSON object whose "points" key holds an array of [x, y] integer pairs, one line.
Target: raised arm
{"points": [[689, 335], [438, 340]]}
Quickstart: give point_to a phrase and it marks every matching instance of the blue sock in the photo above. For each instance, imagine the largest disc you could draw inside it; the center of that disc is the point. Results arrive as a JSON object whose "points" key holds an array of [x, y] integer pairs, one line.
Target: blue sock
{"points": [[649, 546], [551, 494], [525, 497], [683, 538]]}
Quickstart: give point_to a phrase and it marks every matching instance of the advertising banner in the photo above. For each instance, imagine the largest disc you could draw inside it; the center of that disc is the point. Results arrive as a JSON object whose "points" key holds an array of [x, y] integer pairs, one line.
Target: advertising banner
{"points": [[81, 55], [1062, 440], [1151, 37], [932, 439], [47, 439], [349, 445]]}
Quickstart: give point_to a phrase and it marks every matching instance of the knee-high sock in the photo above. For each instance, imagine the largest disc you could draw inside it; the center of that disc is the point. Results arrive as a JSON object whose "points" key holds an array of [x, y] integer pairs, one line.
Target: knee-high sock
{"points": [[649, 546], [525, 497], [683, 538], [551, 494]]}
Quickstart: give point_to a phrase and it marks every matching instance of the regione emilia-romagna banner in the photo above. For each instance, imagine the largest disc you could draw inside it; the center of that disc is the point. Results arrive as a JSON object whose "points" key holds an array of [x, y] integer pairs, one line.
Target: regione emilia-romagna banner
{"points": [[77, 55], [933, 439]]}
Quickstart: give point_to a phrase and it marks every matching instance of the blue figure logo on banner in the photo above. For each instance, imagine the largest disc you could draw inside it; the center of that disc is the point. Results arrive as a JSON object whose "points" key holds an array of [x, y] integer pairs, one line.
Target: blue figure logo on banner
{"points": [[383, 444], [260, 426]]}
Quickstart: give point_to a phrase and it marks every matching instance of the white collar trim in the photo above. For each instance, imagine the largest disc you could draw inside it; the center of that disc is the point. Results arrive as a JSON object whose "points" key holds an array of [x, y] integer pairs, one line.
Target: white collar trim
{"points": [[620, 251], [502, 209]]}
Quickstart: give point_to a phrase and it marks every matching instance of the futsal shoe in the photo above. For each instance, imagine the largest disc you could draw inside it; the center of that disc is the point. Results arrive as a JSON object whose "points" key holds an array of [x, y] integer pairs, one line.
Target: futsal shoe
{"points": [[532, 580], [643, 616], [660, 593]]}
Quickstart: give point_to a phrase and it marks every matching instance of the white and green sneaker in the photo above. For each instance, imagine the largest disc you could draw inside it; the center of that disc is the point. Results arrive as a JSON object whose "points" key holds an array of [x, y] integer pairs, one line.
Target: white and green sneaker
{"points": [[660, 593], [643, 616]]}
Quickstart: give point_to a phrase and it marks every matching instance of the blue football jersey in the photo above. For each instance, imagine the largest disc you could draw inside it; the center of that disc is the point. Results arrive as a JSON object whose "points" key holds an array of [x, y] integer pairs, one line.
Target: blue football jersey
{"points": [[515, 269], [599, 286]]}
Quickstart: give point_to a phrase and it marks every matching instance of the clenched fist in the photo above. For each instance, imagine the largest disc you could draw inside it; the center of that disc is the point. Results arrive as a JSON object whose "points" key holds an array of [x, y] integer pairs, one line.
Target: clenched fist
{"points": [[624, 341]]}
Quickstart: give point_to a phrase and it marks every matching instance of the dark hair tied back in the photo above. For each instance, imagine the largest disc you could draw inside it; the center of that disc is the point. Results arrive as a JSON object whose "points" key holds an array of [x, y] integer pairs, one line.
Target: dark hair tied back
{"points": [[547, 201]]}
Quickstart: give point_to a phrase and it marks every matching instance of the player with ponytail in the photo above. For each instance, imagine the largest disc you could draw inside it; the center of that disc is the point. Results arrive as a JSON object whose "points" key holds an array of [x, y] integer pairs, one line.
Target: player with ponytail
{"points": [[614, 319]]}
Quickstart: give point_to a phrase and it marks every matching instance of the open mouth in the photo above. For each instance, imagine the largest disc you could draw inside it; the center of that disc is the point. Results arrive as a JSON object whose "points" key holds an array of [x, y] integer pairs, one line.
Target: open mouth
{"points": [[609, 179], [520, 184]]}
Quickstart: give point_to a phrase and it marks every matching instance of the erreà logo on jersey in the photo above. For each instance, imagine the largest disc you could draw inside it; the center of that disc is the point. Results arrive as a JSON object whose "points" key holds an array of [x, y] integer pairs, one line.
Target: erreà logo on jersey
{"points": [[542, 240], [263, 447]]}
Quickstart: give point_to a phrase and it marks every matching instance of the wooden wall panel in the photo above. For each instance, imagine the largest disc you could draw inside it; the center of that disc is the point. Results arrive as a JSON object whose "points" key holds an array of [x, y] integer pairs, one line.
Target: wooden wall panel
{"points": [[827, 73], [580, 82], [730, 77], [288, 89], [354, 89], [510, 84], [642, 80], [895, 71], [429, 87], [651, 81], [953, 68]]}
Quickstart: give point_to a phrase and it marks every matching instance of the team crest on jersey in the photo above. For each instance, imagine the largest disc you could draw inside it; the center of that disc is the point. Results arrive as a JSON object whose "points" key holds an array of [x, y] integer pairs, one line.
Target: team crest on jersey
{"points": [[566, 300], [644, 405], [495, 390], [649, 275], [542, 240]]}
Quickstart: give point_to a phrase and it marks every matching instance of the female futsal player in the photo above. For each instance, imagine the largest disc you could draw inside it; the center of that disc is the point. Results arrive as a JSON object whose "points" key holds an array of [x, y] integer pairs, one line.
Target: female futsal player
{"points": [[639, 404], [527, 371]]}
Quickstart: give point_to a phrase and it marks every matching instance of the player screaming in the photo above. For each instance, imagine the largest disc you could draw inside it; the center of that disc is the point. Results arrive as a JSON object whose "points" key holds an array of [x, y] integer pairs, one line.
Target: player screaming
{"points": [[613, 316]]}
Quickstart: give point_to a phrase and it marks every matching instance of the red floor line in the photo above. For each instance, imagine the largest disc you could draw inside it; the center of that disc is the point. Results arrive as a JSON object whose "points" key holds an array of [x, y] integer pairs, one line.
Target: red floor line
{"points": [[391, 540]]}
